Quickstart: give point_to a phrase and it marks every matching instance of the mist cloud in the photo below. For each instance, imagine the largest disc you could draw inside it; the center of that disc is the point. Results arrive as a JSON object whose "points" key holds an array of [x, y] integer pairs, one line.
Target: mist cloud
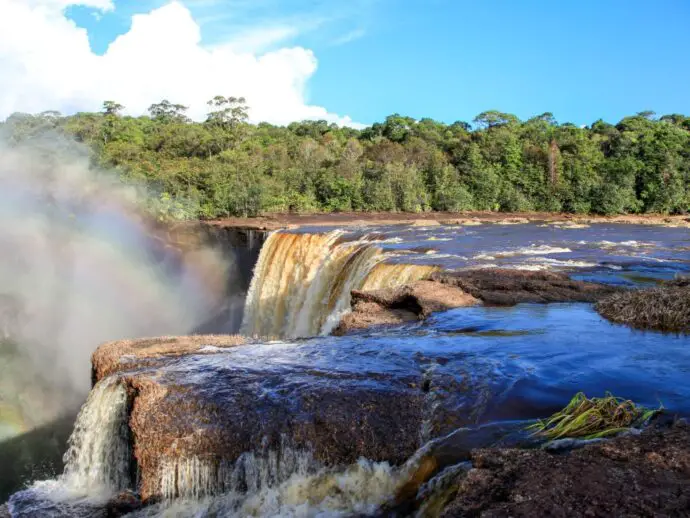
{"points": [[80, 265]]}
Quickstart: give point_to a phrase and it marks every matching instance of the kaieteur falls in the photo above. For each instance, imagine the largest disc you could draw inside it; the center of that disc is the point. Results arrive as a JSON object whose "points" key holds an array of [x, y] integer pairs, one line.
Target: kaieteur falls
{"points": [[288, 420], [302, 282]]}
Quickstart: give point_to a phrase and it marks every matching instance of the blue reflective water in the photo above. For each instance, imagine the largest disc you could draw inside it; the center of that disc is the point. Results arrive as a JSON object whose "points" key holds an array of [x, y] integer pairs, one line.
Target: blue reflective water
{"points": [[480, 364]]}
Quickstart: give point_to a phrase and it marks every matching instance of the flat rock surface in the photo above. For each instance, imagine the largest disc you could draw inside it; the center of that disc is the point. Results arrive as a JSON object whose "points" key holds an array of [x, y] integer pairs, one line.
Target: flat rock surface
{"points": [[119, 355], [507, 287], [449, 290]]}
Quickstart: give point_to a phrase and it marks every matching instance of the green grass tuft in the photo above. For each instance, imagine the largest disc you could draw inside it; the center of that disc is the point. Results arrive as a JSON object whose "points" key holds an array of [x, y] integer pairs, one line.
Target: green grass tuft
{"points": [[593, 418]]}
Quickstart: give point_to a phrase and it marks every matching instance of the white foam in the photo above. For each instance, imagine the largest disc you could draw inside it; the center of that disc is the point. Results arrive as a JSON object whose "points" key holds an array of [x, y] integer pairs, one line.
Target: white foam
{"points": [[255, 487], [528, 250], [434, 255], [211, 349], [98, 458], [97, 462], [546, 263], [614, 244]]}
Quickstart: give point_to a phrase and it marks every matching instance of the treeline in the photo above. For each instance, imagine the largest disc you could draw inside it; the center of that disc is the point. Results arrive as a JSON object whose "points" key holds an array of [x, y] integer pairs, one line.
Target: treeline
{"points": [[226, 166]]}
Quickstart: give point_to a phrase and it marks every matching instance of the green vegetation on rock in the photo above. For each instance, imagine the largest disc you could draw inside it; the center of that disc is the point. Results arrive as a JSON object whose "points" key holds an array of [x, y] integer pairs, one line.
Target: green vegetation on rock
{"points": [[225, 166], [593, 418]]}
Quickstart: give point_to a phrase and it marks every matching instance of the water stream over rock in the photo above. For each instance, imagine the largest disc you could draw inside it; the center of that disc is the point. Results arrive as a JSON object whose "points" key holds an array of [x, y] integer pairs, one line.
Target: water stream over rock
{"points": [[368, 423]]}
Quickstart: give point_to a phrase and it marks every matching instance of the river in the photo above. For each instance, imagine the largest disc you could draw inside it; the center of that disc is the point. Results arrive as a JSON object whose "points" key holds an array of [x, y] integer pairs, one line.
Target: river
{"points": [[285, 397]]}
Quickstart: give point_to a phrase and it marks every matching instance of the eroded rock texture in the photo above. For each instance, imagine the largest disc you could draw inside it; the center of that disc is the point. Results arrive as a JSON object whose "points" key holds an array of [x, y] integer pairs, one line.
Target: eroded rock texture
{"points": [[665, 308], [398, 305], [507, 287], [648, 475], [192, 407]]}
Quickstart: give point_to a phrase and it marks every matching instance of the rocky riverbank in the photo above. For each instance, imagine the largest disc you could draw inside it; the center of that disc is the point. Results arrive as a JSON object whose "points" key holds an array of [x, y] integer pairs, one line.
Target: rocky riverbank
{"points": [[645, 475], [349, 219]]}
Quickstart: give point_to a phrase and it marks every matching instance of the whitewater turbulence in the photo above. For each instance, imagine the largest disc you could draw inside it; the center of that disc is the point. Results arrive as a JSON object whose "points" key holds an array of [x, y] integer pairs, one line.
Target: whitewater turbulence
{"points": [[99, 456], [98, 462], [302, 282]]}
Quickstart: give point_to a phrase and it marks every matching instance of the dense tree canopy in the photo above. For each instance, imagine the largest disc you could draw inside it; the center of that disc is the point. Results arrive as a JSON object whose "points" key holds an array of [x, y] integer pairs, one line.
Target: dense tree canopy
{"points": [[226, 166]]}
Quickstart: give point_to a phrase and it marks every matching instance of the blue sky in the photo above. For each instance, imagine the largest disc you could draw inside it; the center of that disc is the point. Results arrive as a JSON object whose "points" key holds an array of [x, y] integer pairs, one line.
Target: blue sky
{"points": [[452, 59]]}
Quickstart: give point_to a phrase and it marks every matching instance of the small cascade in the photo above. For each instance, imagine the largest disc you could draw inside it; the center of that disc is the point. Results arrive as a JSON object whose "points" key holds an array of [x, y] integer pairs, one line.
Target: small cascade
{"points": [[302, 282], [386, 275], [290, 482], [195, 478], [98, 459], [255, 488]]}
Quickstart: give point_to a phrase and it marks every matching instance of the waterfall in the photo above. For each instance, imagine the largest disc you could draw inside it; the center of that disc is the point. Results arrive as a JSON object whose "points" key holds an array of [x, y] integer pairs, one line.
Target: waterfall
{"points": [[302, 282], [98, 459], [273, 485], [251, 473]]}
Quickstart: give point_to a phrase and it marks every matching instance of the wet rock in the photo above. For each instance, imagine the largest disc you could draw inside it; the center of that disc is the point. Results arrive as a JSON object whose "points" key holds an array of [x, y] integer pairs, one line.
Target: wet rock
{"points": [[513, 221], [461, 222], [450, 454], [120, 355], [644, 475], [424, 223], [365, 315], [666, 308], [507, 287], [222, 412], [448, 290], [399, 305], [123, 504], [193, 416]]}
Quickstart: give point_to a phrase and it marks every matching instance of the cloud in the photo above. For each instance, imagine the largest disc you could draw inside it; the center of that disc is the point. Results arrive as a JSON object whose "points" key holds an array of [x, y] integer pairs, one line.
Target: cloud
{"points": [[46, 63], [260, 39], [349, 37], [59, 5]]}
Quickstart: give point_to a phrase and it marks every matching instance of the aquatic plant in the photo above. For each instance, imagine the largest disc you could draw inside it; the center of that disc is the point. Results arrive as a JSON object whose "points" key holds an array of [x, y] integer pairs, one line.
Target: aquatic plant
{"points": [[593, 418]]}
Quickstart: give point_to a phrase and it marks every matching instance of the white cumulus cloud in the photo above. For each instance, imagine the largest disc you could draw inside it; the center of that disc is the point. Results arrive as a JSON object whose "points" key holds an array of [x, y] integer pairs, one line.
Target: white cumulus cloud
{"points": [[46, 63]]}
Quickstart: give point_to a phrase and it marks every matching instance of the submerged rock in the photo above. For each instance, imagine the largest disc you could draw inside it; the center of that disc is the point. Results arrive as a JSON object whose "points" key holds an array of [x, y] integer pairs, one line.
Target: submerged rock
{"points": [[122, 504], [645, 475], [665, 308]]}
